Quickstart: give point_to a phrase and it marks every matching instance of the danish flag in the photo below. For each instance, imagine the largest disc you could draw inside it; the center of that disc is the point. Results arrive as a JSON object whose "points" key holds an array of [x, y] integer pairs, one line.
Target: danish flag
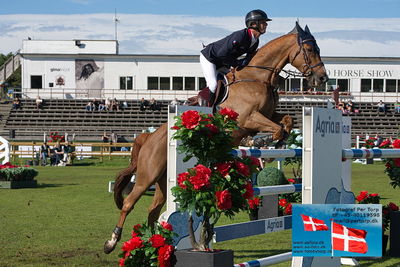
{"points": [[312, 224], [348, 239]]}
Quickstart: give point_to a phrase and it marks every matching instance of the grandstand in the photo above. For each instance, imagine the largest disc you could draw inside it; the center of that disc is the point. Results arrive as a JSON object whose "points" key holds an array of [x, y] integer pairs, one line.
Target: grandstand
{"points": [[69, 115]]}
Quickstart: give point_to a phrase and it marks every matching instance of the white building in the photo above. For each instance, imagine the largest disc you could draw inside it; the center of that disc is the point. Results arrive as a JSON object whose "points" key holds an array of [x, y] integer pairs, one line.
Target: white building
{"points": [[94, 68]]}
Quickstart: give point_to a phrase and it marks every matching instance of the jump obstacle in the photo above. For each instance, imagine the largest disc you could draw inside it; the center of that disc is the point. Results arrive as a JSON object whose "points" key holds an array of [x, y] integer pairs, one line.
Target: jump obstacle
{"points": [[326, 177]]}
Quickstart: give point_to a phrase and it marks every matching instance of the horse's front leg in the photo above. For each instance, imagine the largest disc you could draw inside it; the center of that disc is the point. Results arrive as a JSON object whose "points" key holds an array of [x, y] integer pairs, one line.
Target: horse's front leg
{"points": [[283, 119], [259, 123]]}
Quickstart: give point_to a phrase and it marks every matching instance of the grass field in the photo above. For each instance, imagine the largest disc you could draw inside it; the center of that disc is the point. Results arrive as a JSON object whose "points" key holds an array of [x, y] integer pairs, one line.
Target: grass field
{"points": [[66, 220]]}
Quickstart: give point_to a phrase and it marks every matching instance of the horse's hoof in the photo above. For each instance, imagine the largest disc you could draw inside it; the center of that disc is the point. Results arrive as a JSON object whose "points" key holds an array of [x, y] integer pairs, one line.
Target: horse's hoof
{"points": [[109, 246]]}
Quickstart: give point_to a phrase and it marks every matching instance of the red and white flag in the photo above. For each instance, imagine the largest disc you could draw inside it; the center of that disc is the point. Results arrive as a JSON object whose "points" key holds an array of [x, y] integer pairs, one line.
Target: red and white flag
{"points": [[348, 239], [312, 224]]}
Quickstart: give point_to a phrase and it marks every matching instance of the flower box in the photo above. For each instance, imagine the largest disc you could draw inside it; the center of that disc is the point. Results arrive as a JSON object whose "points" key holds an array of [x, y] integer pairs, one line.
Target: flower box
{"points": [[216, 258], [18, 184], [395, 233]]}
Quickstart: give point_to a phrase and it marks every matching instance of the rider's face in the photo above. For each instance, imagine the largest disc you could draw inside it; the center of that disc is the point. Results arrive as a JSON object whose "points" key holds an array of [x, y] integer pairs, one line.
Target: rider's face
{"points": [[262, 26]]}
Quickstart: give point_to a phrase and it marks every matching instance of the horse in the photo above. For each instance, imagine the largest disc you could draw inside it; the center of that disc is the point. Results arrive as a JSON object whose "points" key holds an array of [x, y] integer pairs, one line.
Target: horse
{"points": [[252, 95]]}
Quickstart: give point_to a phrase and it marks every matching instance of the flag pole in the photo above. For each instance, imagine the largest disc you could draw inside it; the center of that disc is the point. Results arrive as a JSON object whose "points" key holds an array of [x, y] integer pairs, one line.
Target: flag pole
{"points": [[332, 238]]}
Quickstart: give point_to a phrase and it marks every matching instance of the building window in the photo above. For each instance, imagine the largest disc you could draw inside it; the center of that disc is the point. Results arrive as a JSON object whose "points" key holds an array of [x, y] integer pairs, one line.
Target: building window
{"points": [[202, 83], [177, 83], [378, 85], [190, 83], [36, 81], [165, 83], [390, 86], [295, 84], [152, 83], [343, 84], [126, 83], [366, 85], [331, 85]]}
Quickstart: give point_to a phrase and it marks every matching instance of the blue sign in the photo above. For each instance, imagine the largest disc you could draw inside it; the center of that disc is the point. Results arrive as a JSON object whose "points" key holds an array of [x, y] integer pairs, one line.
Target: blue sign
{"points": [[337, 230]]}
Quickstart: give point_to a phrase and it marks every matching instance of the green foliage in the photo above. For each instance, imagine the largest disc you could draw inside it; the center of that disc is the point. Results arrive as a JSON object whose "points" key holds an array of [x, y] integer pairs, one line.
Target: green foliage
{"points": [[295, 140], [4, 58], [15, 173], [271, 176]]}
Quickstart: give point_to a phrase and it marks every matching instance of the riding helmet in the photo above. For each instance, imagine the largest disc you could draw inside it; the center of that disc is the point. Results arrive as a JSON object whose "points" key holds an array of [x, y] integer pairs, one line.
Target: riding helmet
{"points": [[255, 16]]}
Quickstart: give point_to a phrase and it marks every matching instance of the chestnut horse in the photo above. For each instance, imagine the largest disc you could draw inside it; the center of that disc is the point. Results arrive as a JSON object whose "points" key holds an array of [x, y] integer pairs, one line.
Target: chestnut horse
{"points": [[252, 95]]}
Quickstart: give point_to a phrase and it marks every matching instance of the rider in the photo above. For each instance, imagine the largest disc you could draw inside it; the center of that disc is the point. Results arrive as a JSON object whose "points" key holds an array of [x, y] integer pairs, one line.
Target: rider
{"points": [[224, 52]]}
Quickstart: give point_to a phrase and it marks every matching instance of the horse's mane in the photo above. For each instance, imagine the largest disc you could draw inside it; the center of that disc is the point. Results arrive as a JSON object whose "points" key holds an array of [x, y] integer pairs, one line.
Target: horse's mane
{"points": [[302, 35]]}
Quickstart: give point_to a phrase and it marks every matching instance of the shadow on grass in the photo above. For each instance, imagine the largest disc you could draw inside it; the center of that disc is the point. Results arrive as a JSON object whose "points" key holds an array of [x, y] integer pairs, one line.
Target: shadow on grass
{"points": [[43, 185], [258, 253], [78, 164]]}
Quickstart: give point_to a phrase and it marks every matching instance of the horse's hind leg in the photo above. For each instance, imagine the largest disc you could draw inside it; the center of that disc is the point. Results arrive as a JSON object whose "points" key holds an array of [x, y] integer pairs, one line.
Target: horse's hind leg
{"points": [[129, 202], [160, 196]]}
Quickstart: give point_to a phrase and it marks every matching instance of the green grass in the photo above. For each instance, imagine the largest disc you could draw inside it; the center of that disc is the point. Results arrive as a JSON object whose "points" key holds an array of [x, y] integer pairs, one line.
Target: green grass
{"points": [[66, 220]]}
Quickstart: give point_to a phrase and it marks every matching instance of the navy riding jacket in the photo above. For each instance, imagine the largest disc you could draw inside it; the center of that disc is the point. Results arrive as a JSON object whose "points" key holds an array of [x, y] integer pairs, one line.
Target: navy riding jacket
{"points": [[226, 51]]}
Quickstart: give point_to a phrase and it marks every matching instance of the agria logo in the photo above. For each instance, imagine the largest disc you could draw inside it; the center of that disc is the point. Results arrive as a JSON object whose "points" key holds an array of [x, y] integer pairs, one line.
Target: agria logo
{"points": [[327, 126]]}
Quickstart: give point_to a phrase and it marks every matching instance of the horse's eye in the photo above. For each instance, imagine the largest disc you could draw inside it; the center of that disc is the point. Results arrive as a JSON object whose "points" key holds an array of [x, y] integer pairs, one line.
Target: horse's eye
{"points": [[310, 49]]}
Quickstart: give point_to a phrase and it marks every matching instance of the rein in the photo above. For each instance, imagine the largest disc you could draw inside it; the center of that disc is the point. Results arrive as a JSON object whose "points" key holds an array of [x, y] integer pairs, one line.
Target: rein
{"points": [[290, 73]]}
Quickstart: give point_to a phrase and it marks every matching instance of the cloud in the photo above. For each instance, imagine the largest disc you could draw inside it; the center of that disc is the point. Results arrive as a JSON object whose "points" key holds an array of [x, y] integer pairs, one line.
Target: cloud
{"points": [[184, 34]]}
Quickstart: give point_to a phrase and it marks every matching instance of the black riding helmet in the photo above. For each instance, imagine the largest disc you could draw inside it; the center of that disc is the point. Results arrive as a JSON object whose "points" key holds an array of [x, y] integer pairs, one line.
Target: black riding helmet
{"points": [[255, 16]]}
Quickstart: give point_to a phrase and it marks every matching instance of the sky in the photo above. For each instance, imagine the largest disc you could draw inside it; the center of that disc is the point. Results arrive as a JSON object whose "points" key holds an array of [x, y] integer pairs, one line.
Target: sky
{"points": [[342, 28]]}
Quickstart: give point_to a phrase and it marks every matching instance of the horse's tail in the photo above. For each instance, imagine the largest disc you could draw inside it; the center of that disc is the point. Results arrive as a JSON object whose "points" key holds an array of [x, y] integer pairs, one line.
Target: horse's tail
{"points": [[125, 175]]}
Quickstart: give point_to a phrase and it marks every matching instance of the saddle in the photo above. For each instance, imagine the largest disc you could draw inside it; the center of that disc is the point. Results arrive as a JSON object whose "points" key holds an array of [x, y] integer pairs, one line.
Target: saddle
{"points": [[221, 93]]}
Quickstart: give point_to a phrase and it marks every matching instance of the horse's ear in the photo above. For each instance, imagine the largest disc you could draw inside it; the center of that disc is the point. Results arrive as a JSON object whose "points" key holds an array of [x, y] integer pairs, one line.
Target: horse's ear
{"points": [[307, 30], [299, 29]]}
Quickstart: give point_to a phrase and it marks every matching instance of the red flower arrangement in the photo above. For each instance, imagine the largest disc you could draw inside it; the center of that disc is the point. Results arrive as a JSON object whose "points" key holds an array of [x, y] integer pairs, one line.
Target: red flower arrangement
{"points": [[386, 210], [365, 198], [370, 142], [285, 207], [392, 165], [55, 137], [220, 183], [149, 246]]}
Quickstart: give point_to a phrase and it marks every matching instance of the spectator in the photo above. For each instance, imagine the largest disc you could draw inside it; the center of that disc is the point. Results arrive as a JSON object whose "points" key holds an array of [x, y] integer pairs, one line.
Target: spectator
{"points": [[57, 154], [16, 104], [397, 107], [67, 156], [102, 105], [44, 153], [341, 107], [350, 107], [124, 105], [108, 104], [39, 103], [335, 96], [96, 104], [105, 138], [154, 105], [381, 107], [144, 104], [90, 106], [114, 140], [114, 105], [174, 102]]}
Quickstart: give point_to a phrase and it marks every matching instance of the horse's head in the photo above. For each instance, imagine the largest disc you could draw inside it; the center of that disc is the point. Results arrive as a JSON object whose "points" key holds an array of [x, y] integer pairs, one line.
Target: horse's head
{"points": [[306, 58]]}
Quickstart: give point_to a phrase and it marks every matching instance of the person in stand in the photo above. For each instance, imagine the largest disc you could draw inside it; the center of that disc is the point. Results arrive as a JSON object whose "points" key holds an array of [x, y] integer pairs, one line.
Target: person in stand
{"points": [[105, 139], [39, 103], [16, 104], [44, 153], [144, 104], [397, 107], [225, 52], [67, 156], [381, 107], [114, 140], [57, 154], [154, 105]]}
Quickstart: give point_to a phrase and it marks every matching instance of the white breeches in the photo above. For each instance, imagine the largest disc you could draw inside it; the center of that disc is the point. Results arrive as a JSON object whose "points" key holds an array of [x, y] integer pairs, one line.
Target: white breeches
{"points": [[210, 73]]}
